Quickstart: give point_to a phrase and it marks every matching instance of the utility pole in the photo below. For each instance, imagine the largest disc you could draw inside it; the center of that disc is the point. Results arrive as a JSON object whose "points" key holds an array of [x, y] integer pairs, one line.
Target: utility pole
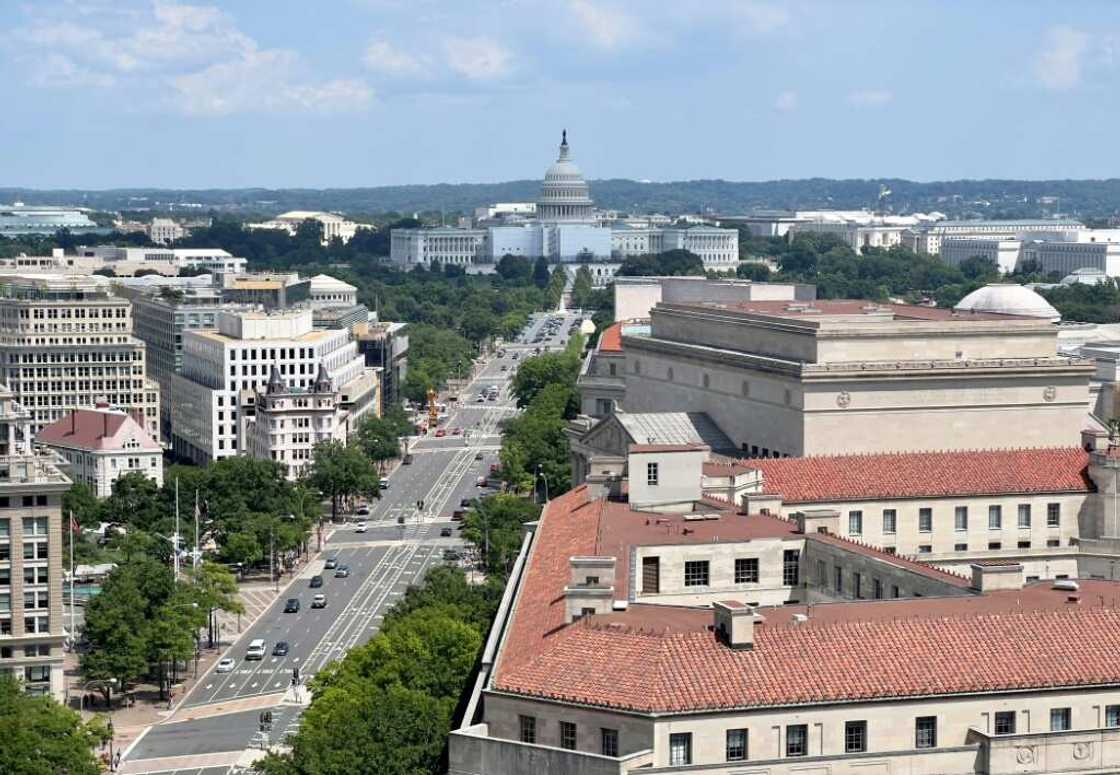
{"points": [[175, 535], [197, 553], [272, 558]]}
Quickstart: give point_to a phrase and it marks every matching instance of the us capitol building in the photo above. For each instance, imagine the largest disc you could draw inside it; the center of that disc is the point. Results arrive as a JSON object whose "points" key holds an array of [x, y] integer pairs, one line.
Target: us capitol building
{"points": [[564, 227]]}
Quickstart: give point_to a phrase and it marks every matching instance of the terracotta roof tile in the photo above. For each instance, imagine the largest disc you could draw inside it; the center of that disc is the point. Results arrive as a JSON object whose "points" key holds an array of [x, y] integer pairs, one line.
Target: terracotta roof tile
{"points": [[95, 430], [834, 478], [611, 339]]}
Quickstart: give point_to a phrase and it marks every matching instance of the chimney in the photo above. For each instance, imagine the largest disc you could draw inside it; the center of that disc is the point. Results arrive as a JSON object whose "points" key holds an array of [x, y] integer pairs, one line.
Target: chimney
{"points": [[989, 577], [734, 624]]}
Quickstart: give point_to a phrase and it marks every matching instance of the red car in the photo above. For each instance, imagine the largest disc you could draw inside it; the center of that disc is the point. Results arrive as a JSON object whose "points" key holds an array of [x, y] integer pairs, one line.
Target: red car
{"points": [[441, 433], [494, 468]]}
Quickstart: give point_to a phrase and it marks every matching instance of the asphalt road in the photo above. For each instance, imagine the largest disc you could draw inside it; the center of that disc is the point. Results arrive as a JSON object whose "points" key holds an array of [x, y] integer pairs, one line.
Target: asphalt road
{"points": [[384, 560]]}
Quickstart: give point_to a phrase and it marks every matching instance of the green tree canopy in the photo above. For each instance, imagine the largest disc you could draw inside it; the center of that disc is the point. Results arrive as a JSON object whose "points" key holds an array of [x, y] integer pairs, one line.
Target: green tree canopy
{"points": [[41, 737]]}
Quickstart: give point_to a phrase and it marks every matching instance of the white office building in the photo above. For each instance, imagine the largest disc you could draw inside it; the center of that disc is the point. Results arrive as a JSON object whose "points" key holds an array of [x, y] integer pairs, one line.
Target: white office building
{"points": [[334, 225], [126, 261], [18, 219], [409, 248], [66, 342], [223, 370], [327, 291], [929, 238]]}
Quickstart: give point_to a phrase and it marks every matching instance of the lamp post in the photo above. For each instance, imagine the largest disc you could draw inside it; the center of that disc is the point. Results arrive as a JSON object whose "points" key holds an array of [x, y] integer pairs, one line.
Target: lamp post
{"points": [[543, 476]]}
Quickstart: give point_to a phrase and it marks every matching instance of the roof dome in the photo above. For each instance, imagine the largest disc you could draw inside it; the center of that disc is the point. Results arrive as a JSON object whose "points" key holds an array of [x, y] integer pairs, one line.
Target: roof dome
{"points": [[1008, 299], [565, 195]]}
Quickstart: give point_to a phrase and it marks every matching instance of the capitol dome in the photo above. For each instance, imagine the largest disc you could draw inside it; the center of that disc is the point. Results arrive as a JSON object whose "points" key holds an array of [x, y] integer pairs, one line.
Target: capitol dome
{"points": [[565, 195], [1008, 299]]}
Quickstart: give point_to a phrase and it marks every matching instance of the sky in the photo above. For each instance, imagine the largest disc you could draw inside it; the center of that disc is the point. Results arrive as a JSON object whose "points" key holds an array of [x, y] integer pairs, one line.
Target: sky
{"points": [[341, 93]]}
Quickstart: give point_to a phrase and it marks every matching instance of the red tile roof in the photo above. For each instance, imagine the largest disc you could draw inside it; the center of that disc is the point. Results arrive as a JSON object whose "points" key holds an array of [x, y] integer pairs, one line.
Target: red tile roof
{"points": [[830, 479], [845, 652], [96, 430], [611, 339]]}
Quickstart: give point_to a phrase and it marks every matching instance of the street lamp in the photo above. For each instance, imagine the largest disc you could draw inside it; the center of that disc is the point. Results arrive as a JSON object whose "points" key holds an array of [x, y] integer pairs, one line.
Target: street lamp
{"points": [[543, 476]]}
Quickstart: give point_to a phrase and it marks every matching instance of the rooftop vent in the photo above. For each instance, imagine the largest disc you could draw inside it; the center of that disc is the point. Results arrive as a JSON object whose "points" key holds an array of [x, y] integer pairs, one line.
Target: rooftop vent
{"points": [[1066, 585]]}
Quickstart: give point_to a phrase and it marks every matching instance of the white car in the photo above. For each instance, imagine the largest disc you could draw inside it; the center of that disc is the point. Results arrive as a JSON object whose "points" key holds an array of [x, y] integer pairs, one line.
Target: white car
{"points": [[361, 527], [226, 665]]}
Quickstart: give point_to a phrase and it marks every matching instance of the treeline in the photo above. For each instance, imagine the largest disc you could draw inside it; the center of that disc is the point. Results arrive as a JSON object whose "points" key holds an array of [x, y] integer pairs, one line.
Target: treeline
{"points": [[988, 198]]}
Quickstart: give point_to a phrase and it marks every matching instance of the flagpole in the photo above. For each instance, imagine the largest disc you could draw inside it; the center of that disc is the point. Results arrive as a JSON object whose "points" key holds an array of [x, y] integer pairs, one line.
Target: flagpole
{"points": [[73, 602], [194, 563], [175, 536]]}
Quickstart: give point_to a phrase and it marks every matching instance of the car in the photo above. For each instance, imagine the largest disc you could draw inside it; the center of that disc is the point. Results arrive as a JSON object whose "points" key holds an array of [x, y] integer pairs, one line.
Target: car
{"points": [[456, 431], [464, 503], [407, 460], [494, 467], [451, 555], [478, 456], [482, 482], [492, 397], [319, 601], [505, 367], [363, 511], [331, 563], [342, 572], [361, 527], [280, 649], [256, 649], [480, 399], [291, 606], [226, 665], [384, 484], [516, 356], [445, 532], [458, 514], [316, 581], [441, 433]]}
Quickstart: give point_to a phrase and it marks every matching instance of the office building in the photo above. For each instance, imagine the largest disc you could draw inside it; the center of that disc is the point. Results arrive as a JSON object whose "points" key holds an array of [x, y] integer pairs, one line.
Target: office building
{"points": [[384, 346], [101, 445], [784, 378], [446, 246], [327, 291], [19, 219], [271, 290], [334, 226], [32, 484], [164, 231], [167, 261], [222, 371], [653, 628], [67, 344], [929, 238]]}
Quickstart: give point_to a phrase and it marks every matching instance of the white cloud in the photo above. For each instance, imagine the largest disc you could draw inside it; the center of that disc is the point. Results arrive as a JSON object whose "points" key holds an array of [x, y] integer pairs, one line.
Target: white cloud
{"points": [[607, 27], [381, 56], [1061, 59], [477, 58], [212, 67], [264, 81], [870, 97], [786, 102]]}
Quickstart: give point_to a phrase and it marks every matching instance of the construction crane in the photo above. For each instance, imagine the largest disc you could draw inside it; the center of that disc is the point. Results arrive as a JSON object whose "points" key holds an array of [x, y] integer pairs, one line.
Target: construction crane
{"points": [[433, 410]]}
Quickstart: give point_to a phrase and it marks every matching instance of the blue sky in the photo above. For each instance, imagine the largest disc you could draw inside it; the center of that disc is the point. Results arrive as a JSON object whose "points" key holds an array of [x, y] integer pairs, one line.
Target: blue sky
{"points": [[339, 93]]}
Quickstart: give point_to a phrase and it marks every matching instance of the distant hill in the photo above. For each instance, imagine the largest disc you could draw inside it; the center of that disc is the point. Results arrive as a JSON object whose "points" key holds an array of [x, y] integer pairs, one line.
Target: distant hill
{"points": [[959, 198]]}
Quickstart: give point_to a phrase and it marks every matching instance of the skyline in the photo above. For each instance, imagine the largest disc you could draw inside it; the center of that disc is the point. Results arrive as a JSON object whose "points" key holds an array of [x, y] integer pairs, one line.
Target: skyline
{"points": [[236, 95]]}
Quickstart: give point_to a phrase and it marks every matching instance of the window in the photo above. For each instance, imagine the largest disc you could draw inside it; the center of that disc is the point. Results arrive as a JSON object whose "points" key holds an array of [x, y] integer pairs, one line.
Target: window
{"points": [[838, 581], [651, 474], [1061, 719], [1051, 542], [855, 736], [696, 573], [925, 520], [960, 518], [995, 517], [608, 741], [680, 749], [895, 591], [528, 726], [925, 732], [1024, 544], [857, 584], [925, 549], [960, 547], [876, 589], [736, 745], [890, 521], [1053, 515], [568, 735], [1005, 722], [791, 567], [746, 570], [651, 575], [1024, 516], [1112, 715], [855, 523], [797, 740]]}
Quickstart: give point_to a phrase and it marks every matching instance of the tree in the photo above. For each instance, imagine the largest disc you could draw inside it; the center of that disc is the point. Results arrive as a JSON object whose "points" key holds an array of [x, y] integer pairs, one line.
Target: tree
{"points": [[116, 623], [214, 589], [340, 470], [41, 737], [242, 548], [494, 526], [515, 269], [979, 268], [753, 270], [380, 437], [582, 288], [538, 372], [541, 275]]}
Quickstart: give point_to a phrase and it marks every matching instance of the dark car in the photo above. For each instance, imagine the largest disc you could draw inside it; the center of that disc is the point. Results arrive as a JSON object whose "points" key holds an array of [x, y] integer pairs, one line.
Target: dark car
{"points": [[465, 503], [331, 563], [458, 514], [280, 649], [316, 581], [292, 606], [445, 532]]}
